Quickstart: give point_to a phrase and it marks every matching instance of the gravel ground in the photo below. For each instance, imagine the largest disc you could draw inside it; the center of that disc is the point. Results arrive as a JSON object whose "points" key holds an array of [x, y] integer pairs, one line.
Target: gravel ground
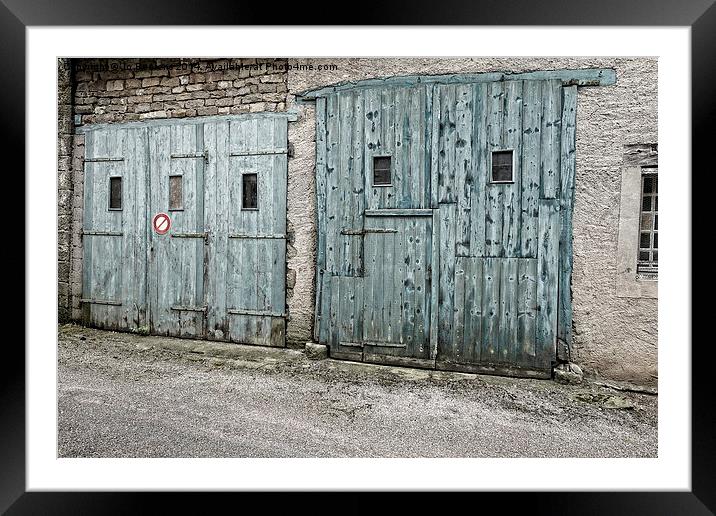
{"points": [[125, 395]]}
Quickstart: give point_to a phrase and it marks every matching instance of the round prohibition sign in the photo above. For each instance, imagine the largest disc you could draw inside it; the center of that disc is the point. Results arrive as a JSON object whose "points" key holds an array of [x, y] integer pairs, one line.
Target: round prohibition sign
{"points": [[161, 223]]}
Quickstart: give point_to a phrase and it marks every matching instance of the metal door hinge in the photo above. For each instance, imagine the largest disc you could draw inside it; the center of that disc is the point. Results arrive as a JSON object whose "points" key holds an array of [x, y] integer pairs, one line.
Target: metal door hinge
{"points": [[204, 155], [204, 235], [366, 231]]}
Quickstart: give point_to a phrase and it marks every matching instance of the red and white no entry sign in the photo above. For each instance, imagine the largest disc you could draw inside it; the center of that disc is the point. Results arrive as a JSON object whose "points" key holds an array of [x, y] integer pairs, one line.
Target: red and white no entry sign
{"points": [[161, 223]]}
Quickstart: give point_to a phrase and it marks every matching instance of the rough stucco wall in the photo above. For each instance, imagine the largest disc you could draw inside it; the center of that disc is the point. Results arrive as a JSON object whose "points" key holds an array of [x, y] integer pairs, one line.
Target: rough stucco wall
{"points": [[614, 338], [301, 246]]}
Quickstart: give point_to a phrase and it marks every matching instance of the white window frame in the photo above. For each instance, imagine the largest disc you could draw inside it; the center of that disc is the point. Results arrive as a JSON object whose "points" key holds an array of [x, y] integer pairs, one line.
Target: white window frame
{"points": [[629, 283]]}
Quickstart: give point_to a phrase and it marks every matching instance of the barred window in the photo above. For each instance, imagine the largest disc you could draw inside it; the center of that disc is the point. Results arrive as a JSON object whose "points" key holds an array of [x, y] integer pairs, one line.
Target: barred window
{"points": [[649, 223]]}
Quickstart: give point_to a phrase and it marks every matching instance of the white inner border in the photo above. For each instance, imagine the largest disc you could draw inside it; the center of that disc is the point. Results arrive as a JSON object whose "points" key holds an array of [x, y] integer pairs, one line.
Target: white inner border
{"points": [[671, 471]]}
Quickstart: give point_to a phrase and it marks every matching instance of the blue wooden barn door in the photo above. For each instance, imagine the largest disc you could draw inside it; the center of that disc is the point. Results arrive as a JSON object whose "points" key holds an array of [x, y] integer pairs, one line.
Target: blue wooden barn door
{"points": [[375, 224], [114, 245], [397, 285], [219, 272], [500, 199], [177, 258], [443, 221], [250, 265]]}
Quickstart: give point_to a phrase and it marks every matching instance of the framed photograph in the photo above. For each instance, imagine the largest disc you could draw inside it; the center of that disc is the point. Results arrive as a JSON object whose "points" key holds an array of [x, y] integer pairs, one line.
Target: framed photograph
{"points": [[372, 258]]}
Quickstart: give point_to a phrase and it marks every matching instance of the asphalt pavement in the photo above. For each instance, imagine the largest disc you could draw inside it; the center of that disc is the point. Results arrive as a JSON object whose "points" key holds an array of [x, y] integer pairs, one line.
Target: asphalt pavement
{"points": [[126, 395]]}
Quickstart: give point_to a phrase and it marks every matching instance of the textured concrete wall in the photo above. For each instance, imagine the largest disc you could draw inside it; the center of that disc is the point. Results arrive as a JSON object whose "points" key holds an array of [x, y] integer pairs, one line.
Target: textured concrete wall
{"points": [[615, 338], [301, 250], [64, 186]]}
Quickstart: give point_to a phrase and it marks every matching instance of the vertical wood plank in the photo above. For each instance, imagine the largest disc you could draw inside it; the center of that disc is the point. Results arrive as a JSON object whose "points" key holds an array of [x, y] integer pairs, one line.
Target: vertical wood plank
{"points": [[473, 309], [494, 203], [406, 256], [386, 146], [446, 169], [344, 264], [464, 120], [508, 310], [371, 287], [372, 144], [391, 287], [358, 181], [224, 224], [435, 136], [210, 220], [446, 275], [490, 309], [422, 295], [334, 334], [456, 350], [321, 286], [512, 139], [480, 152], [550, 135], [435, 284], [568, 163], [531, 160], [331, 232], [547, 274], [199, 273], [419, 148], [526, 312], [87, 225], [401, 179]]}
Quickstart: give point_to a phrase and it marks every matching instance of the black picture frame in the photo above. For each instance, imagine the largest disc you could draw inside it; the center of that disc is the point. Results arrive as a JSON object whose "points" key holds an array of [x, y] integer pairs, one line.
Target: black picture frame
{"points": [[700, 15]]}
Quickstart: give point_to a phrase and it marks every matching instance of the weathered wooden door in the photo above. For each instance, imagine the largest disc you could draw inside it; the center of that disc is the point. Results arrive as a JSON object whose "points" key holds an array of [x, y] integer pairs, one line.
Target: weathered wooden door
{"points": [[177, 259], [502, 158], [376, 227], [443, 210], [114, 241], [247, 270], [219, 272], [397, 285]]}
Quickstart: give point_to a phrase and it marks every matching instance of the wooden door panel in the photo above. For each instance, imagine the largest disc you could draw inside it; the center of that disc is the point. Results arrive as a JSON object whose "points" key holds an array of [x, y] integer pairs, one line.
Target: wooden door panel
{"points": [[113, 286], [177, 258], [252, 253]]}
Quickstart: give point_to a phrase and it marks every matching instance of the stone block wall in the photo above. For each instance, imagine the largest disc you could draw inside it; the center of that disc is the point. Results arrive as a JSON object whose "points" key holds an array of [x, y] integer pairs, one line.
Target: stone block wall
{"points": [[64, 186], [123, 90]]}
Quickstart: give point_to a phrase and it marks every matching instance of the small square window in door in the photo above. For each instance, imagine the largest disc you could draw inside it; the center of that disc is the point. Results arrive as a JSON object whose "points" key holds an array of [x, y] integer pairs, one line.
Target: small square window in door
{"points": [[249, 192], [381, 171], [502, 166], [176, 193], [115, 193]]}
